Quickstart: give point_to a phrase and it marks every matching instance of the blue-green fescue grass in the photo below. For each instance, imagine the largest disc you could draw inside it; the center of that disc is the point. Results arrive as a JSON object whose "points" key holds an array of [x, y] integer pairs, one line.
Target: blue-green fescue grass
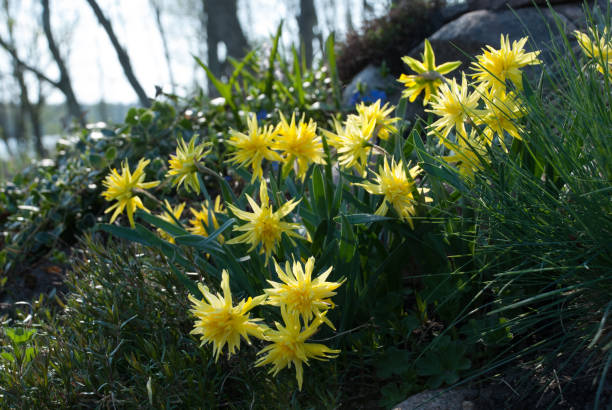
{"points": [[543, 214]]}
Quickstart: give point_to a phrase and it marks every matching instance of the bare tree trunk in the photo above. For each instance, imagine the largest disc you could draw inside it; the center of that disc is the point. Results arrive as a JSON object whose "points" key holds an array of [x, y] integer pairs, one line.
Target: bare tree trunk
{"points": [[25, 107], [4, 127], [64, 83], [222, 25], [307, 20], [157, 10], [122, 55], [37, 129]]}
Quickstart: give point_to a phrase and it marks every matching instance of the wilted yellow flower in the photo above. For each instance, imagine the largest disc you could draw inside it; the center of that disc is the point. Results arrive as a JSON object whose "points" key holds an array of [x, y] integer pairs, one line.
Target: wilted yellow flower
{"points": [[598, 48], [264, 226], [398, 189], [183, 164], [454, 105], [206, 219], [352, 142], [176, 212], [299, 143], [494, 67], [289, 346], [254, 146], [299, 293], [120, 187], [383, 124], [428, 77], [220, 322]]}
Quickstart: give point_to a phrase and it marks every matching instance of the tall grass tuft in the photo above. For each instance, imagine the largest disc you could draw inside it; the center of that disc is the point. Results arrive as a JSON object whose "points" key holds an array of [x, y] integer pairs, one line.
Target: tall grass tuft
{"points": [[544, 237]]}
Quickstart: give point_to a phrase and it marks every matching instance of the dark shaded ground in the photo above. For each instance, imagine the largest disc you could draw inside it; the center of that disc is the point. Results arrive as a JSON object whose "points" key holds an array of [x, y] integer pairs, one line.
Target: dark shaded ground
{"points": [[525, 388], [27, 284]]}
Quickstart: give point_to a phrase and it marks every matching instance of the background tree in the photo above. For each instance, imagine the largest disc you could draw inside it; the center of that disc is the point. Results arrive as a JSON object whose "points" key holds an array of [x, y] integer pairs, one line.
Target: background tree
{"points": [[307, 21], [223, 28], [122, 55]]}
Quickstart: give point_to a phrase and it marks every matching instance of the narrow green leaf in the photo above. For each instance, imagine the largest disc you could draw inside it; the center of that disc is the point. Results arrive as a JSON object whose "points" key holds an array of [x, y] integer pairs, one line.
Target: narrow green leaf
{"points": [[358, 219], [348, 243], [157, 222], [330, 45], [224, 89], [271, 61], [297, 78], [318, 192]]}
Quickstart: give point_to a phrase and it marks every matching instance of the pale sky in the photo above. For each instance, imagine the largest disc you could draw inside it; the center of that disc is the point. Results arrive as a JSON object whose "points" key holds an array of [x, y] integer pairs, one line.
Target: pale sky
{"points": [[92, 61]]}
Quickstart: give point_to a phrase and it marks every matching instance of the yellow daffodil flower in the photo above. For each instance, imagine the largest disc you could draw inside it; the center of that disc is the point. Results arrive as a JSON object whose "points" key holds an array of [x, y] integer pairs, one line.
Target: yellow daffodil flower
{"points": [[299, 144], [300, 293], [454, 105], [597, 48], [352, 142], [183, 164], [383, 123], [467, 154], [398, 189], [176, 212], [120, 187], [289, 346], [206, 219], [264, 226], [494, 67], [502, 113], [220, 322], [429, 76], [254, 146]]}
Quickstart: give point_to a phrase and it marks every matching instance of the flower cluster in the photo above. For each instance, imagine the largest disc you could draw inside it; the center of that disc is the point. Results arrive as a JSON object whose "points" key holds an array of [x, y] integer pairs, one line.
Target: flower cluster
{"points": [[292, 143], [303, 303], [472, 116]]}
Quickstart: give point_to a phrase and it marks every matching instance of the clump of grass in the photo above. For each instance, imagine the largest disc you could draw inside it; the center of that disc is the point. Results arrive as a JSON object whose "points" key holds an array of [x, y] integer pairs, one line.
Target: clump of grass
{"points": [[122, 338], [544, 228]]}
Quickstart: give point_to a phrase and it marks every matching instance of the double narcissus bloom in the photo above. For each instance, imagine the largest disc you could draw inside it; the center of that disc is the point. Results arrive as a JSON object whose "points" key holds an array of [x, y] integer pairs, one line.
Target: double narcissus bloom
{"points": [[220, 322], [171, 217], [299, 144], [494, 67], [454, 105], [429, 76], [254, 146], [352, 142], [383, 123], [206, 220], [183, 166], [502, 113], [300, 293], [264, 226], [468, 153], [597, 48], [120, 187], [398, 189], [289, 346]]}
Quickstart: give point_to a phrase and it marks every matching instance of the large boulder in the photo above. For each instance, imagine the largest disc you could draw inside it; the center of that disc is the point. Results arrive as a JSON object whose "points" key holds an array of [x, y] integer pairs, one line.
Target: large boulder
{"points": [[504, 4], [464, 38]]}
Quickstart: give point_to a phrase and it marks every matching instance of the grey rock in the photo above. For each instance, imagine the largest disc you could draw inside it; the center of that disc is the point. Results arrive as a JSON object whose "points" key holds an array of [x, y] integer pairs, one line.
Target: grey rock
{"points": [[504, 4], [441, 399], [372, 79], [465, 37]]}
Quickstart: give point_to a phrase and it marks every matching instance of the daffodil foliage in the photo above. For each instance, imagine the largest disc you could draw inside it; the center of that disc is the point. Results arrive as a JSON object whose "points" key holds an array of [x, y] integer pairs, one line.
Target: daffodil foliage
{"points": [[327, 221]]}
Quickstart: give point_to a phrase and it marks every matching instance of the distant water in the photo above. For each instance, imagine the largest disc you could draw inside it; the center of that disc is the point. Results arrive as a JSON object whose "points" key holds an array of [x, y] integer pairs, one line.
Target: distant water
{"points": [[48, 142]]}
